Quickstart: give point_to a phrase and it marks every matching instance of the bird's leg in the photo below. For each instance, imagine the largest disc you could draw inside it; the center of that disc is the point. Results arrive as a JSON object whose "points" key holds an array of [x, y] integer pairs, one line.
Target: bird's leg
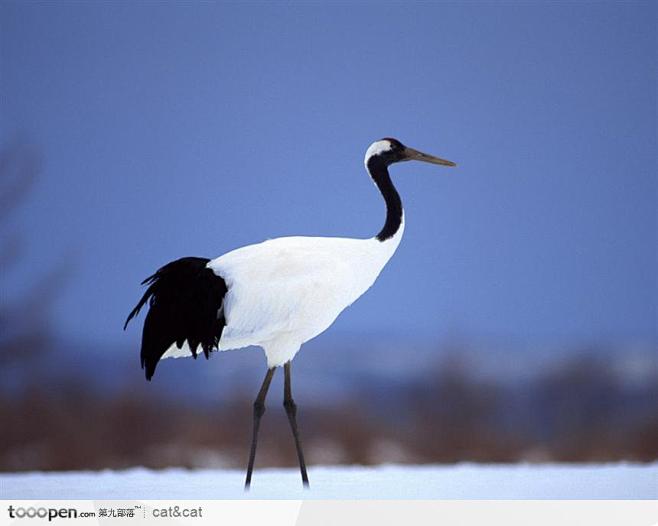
{"points": [[259, 410], [291, 411]]}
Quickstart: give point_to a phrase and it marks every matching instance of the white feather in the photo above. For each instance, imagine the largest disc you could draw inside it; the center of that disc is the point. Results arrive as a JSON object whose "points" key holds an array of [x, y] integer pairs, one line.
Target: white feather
{"points": [[285, 291], [175, 352], [376, 148]]}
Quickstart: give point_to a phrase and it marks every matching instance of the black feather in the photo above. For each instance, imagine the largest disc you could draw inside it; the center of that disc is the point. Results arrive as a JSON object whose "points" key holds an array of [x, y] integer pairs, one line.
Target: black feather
{"points": [[185, 303]]}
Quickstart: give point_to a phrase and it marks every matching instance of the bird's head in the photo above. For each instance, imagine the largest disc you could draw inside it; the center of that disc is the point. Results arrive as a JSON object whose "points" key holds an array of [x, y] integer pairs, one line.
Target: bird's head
{"points": [[389, 151]]}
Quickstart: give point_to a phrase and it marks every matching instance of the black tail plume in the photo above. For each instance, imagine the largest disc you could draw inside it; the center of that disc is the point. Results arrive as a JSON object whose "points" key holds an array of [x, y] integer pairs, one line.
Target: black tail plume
{"points": [[185, 304]]}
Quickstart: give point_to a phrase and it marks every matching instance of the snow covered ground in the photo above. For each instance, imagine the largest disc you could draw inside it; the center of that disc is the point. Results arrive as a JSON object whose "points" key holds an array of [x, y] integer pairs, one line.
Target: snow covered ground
{"points": [[461, 481]]}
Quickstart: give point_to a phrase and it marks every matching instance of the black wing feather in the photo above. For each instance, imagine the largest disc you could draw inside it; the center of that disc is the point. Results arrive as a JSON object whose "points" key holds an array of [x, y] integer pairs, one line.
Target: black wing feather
{"points": [[185, 303]]}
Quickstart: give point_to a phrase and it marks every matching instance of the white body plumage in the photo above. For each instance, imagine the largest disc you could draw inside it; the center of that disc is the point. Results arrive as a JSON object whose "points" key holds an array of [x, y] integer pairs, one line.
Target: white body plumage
{"points": [[285, 291]]}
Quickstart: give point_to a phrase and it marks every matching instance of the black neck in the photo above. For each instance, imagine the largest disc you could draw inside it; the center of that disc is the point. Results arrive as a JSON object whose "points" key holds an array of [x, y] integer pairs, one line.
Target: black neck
{"points": [[379, 173]]}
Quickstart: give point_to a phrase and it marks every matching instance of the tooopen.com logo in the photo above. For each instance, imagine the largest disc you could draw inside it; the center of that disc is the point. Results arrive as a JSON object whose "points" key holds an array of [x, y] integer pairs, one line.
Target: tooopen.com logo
{"points": [[47, 513]]}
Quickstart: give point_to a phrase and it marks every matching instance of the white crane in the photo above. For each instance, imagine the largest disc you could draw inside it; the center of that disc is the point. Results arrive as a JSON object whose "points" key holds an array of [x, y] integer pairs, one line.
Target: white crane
{"points": [[277, 294]]}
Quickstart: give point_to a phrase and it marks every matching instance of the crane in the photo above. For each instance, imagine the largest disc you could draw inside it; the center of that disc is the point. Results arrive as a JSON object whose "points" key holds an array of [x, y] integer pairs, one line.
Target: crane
{"points": [[276, 295]]}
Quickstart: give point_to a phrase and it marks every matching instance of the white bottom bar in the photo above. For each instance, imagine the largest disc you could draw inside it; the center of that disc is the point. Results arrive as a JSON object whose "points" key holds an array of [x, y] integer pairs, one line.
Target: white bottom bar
{"points": [[332, 512]]}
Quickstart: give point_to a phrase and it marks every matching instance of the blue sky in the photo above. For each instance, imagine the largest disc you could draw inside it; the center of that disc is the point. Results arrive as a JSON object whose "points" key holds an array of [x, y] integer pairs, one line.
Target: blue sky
{"points": [[191, 129]]}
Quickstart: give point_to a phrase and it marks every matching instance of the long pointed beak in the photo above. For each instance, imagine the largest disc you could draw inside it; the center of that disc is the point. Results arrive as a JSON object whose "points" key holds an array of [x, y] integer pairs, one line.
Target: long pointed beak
{"points": [[415, 155]]}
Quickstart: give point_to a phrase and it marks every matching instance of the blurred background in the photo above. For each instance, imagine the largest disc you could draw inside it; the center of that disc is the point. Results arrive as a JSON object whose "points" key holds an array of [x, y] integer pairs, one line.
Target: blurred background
{"points": [[518, 319]]}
